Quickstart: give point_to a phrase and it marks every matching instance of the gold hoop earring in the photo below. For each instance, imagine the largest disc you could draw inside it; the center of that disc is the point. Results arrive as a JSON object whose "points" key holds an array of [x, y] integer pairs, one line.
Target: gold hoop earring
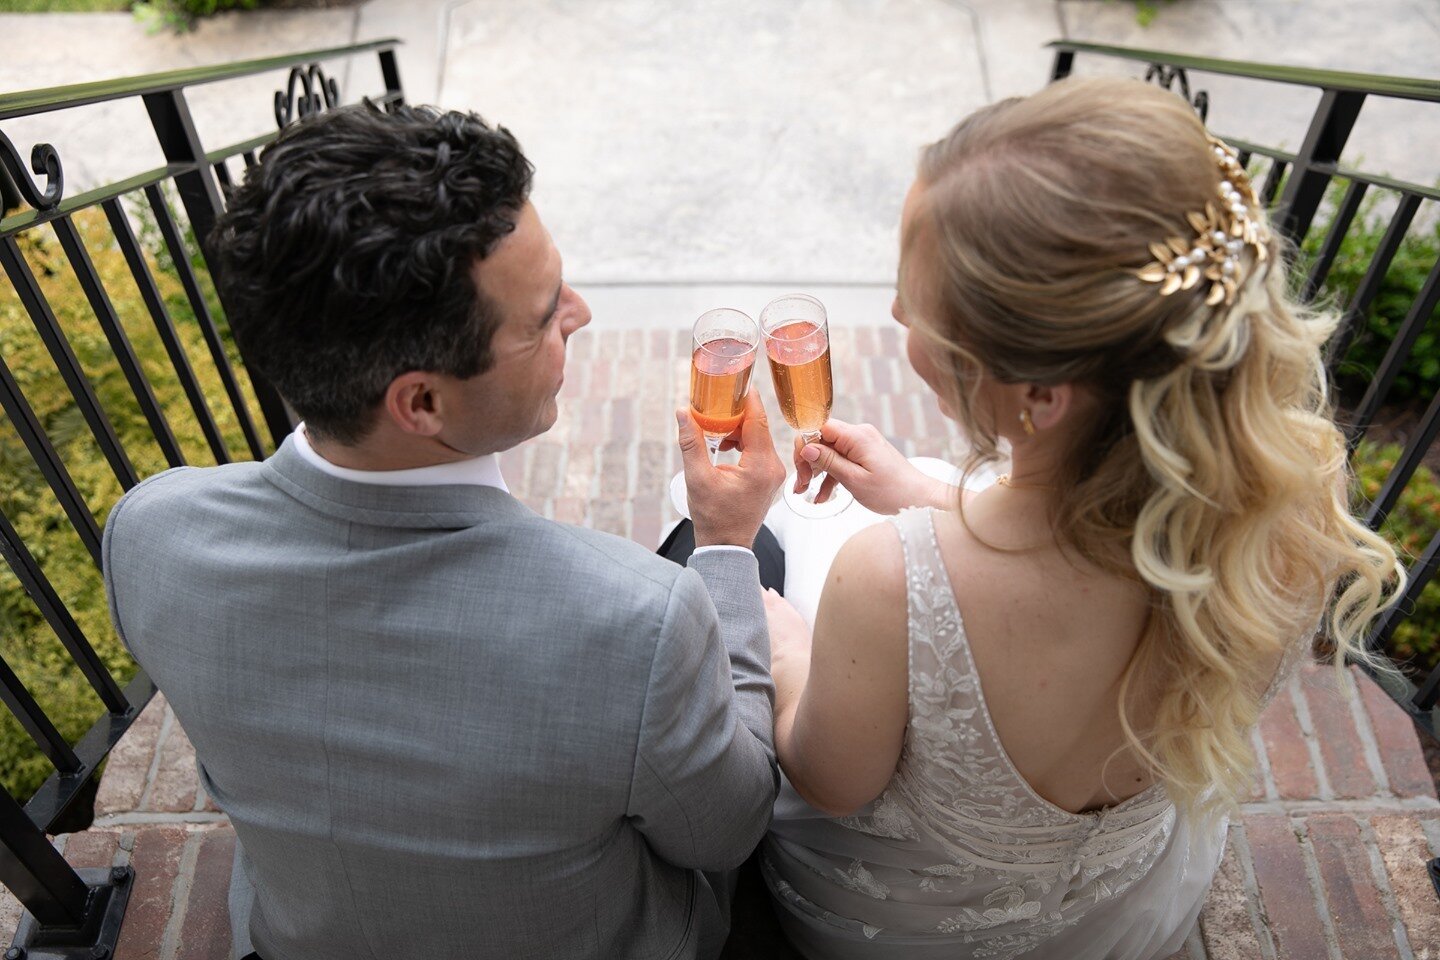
{"points": [[1027, 423]]}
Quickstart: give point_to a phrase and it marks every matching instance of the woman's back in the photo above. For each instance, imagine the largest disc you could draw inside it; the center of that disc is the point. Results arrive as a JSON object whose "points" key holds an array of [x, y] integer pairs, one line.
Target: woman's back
{"points": [[1051, 636], [960, 848]]}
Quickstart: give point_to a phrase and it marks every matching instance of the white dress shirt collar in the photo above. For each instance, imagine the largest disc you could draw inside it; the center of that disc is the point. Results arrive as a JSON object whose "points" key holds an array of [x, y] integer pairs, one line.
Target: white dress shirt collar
{"points": [[482, 471]]}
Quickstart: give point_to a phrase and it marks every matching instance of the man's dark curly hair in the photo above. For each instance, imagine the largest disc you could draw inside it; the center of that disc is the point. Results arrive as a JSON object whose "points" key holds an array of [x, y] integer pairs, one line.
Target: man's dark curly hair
{"points": [[345, 258]]}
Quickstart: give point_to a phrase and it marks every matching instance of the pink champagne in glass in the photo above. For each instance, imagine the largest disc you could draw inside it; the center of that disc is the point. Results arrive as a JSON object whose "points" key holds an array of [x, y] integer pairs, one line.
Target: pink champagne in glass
{"points": [[722, 358], [797, 343]]}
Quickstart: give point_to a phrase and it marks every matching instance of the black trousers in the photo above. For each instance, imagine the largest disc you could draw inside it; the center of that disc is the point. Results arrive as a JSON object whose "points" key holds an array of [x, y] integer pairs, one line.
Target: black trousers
{"points": [[681, 543]]}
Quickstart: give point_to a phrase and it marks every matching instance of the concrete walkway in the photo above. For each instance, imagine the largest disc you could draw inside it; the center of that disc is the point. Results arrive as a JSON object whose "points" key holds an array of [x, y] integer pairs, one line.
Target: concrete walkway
{"points": [[691, 143]]}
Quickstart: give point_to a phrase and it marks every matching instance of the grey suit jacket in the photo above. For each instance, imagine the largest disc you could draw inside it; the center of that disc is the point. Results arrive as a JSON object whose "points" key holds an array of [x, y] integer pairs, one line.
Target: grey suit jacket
{"points": [[444, 726]]}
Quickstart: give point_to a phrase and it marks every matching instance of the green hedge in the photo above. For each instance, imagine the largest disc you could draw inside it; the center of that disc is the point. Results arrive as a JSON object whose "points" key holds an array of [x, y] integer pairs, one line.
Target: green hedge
{"points": [[1417, 516], [27, 642], [180, 15], [1418, 252], [1409, 527], [177, 15]]}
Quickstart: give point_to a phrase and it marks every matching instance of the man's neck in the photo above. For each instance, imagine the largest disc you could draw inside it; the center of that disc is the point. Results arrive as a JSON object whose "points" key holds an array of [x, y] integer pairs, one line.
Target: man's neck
{"points": [[375, 452]]}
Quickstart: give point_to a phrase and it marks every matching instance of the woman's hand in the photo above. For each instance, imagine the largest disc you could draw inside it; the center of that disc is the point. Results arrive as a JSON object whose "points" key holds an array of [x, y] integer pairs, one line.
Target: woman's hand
{"points": [[859, 458]]}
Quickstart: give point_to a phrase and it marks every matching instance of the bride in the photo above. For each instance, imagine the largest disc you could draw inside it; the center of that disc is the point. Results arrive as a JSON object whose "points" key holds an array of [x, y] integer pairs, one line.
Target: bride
{"points": [[1025, 715]]}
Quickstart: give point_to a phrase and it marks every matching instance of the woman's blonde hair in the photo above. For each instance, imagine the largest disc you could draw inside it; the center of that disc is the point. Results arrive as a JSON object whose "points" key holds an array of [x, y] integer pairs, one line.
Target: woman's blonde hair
{"points": [[1213, 470]]}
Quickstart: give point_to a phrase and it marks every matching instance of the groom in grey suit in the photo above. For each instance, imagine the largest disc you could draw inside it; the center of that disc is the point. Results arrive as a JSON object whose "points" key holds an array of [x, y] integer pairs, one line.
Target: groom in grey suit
{"points": [[441, 725]]}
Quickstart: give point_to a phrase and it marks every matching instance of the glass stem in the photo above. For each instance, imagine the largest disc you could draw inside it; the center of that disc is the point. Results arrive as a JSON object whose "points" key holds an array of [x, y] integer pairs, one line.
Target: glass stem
{"points": [[713, 445]]}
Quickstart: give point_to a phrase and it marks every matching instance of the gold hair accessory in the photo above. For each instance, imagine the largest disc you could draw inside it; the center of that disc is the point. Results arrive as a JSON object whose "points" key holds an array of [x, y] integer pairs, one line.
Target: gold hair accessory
{"points": [[1223, 231], [1027, 423]]}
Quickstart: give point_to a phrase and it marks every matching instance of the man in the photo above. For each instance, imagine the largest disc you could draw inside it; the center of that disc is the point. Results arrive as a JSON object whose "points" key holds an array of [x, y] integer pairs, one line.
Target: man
{"points": [[441, 725]]}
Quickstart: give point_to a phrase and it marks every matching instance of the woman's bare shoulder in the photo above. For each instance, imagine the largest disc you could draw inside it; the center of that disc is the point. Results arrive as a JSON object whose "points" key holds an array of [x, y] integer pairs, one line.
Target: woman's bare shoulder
{"points": [[869, 569]]}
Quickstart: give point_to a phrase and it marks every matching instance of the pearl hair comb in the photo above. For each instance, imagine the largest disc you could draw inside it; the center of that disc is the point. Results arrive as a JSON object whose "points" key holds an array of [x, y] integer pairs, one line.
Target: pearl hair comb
{"points": [[1223, 231]]}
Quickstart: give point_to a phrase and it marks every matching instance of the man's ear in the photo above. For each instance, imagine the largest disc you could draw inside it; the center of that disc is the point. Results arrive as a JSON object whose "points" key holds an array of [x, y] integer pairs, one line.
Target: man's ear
{"points": [[1049, 406], [413, 403]]}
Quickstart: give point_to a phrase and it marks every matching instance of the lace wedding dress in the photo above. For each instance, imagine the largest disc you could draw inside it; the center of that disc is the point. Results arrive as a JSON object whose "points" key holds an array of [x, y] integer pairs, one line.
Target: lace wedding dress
{"points": [[959, 857]]}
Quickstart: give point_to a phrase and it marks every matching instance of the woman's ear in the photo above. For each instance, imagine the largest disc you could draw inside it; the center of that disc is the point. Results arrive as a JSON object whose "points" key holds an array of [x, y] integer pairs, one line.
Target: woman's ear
{"points": [[1049, 405]]}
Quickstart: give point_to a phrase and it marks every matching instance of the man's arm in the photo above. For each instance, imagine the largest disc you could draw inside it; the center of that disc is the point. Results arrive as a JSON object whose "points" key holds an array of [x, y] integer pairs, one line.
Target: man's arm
{"points": [[732, 579], [705, 777]]}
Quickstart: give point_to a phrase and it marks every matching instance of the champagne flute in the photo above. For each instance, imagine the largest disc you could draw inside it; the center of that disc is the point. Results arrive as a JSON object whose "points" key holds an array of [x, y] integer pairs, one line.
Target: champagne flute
{"points": [[723, 348], [797, 342]]}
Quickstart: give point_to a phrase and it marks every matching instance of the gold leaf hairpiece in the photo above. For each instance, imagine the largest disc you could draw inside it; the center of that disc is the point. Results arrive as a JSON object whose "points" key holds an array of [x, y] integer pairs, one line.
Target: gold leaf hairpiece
{"points": [[1222, 232]]}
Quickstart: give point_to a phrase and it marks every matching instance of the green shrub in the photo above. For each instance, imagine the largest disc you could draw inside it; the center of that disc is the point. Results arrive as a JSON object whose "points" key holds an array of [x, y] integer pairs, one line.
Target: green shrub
{"points": [[1409, 528], [176, 15], [1375, 330], [180, 15], [1147, 10], [26, 641]]}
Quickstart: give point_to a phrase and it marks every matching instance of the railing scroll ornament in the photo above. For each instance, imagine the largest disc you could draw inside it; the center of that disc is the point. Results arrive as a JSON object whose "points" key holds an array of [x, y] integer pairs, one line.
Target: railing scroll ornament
{"points": [[315, 91], [43, 159], [1166, 76]]}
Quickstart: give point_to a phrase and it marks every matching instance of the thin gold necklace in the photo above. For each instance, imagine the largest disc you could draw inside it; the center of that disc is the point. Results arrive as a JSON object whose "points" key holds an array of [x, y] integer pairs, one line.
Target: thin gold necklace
{"points": [[1005, 481]]}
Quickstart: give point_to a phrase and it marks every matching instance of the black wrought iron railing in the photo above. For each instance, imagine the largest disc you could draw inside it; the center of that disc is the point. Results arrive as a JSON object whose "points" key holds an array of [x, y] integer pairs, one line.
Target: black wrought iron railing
{"points": [[70, 913], [1296, 185]]}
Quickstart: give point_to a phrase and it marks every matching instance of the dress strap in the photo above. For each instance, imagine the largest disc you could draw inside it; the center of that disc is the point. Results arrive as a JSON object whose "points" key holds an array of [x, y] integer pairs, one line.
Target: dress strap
{"points": [[916, 527], [937, 637]]}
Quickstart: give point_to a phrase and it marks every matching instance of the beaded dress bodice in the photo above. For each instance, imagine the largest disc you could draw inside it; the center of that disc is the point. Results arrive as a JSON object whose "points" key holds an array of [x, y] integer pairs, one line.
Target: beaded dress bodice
{"points": [[958, 844]]}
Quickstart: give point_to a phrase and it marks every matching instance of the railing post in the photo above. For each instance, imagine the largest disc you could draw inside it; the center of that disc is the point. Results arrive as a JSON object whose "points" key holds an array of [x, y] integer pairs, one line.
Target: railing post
{"points": [[1064, 63], [175, 129], [170, 115], [390, 70], [9, 193], [1324, 142], [68, 913], [35, 872]]}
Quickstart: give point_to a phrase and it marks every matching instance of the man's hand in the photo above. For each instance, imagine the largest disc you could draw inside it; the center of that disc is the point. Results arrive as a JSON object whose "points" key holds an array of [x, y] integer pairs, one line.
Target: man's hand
{"points": [[861, 460], [728, 502]]}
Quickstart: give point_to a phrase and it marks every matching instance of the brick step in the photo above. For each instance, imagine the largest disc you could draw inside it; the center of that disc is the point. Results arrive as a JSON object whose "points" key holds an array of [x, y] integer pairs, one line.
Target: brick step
{"points": [[178, 909], [1303, 872], [1288, 888], [1327, 860]]}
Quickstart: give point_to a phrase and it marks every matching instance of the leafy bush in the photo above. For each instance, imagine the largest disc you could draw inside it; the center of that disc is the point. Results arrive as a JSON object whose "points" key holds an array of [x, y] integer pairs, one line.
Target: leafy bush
{"points": [[1416, 518], [1409, 527], [1147, 10], [26, 641], [176, 15], [180, 15], [1418, 252]]}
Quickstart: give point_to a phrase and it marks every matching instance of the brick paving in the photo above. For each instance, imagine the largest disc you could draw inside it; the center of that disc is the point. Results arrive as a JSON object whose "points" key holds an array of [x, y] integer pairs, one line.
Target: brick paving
{"points": [[1326, 862]]}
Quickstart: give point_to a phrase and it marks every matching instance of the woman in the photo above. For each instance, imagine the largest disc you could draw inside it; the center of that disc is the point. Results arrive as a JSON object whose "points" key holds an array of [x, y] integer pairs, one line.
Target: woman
{"points": [[1025, 717]]}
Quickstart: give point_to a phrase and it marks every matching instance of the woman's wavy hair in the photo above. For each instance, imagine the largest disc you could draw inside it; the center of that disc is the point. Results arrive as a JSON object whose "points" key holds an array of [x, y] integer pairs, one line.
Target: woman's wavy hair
{"points": [[344, 260], [1213, 471]]}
